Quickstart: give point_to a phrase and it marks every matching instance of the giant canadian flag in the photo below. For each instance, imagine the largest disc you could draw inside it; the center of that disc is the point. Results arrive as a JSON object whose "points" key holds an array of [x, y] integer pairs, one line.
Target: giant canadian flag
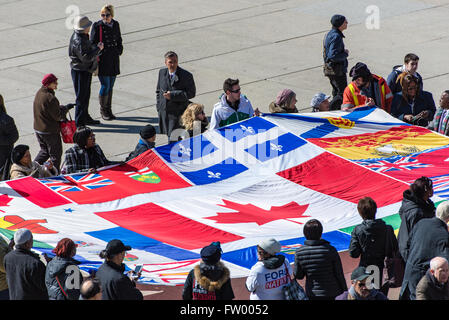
{"points": [[262, 177]]}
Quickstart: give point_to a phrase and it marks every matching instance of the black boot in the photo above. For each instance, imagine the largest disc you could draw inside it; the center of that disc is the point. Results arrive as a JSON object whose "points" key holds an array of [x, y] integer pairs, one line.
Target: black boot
{"points": [[90, 121], [109, 105]]}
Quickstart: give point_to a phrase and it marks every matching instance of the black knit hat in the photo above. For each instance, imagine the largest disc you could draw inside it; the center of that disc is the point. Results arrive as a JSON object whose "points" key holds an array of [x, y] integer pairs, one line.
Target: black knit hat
{"points": [[18, 152], [359, 70], [147, 132], [211, 254], [337, 20]]}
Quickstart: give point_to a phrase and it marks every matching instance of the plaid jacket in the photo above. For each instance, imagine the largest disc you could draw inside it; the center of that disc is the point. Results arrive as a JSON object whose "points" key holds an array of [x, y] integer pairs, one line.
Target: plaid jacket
{"points": [[77, 159]]}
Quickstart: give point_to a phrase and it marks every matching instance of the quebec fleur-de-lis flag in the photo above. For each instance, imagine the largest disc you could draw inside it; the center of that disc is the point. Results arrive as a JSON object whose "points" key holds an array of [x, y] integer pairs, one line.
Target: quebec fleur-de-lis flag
{"points": [[262, 177]]}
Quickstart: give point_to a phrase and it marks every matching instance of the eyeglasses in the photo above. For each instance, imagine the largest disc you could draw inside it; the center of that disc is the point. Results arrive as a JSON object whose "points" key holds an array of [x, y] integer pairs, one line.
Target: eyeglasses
{"points": [[362, 284], [107, 15], [235, 91]]}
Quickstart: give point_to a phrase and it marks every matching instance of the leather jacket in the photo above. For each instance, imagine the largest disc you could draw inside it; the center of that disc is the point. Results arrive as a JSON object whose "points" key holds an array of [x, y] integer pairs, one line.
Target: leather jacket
{"points": [[83, 53]]}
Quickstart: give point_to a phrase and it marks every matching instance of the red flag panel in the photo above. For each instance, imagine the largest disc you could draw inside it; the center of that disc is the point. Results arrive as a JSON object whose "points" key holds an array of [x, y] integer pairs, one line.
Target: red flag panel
{"points": [[35, 192], [166, 226], [340, 178]]}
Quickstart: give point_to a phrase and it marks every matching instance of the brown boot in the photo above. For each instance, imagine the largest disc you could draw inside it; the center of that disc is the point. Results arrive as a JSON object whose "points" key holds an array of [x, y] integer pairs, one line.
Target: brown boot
{"points": [[109, 106], [105, 114]]}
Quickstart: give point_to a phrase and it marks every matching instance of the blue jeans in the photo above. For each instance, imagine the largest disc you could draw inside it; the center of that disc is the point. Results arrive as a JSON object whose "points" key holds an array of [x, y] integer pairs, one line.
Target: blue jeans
{"points": [[107, 83]]}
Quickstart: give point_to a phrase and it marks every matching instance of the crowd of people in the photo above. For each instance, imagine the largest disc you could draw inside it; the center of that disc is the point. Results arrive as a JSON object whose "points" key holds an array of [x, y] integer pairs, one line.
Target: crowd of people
{"points": [[416, 260], [95, 49], [25, 275], [420, 254]]}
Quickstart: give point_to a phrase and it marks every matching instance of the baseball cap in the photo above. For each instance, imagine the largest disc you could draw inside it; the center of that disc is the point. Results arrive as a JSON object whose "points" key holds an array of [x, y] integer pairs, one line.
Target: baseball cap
{"points": [[116, 246], [360, 274], [317, 99]]}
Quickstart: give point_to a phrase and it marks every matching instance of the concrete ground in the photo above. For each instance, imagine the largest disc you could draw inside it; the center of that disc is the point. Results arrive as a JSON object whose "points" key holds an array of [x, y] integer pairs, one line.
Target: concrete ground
{"points": [[268, 44], [152, 292]]}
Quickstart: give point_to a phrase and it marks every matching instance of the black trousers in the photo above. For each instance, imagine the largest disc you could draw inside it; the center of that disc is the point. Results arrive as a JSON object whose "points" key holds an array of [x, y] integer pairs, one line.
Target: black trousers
{"points": [[338, 83], [82, 81], [51, 147]]}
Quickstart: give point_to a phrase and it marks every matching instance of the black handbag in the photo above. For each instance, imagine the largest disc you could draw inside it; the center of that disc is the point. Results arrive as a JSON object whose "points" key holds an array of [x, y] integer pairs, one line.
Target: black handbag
{"points": [[394, 264]]}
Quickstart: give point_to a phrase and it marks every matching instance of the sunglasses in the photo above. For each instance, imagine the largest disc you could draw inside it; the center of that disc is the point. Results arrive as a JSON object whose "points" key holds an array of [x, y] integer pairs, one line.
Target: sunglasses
{"points": [[107, 15], [235, 91]]}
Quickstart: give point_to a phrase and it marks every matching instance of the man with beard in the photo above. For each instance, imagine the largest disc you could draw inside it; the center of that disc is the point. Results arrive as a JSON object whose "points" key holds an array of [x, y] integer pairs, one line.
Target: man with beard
{"points": [[366, 89]]}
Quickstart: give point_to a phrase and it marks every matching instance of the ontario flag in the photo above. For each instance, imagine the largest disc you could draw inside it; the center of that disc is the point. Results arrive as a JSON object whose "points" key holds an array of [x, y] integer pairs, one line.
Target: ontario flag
{"points": [[264, 177], [144, 174]]}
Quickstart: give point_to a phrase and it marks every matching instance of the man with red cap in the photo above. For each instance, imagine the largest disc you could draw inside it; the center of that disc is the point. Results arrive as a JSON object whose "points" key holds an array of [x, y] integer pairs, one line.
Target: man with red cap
{"points": [[47, 114]]}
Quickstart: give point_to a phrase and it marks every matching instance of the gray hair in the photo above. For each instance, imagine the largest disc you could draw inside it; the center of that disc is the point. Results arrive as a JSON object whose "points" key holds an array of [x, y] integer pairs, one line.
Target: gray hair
{"points": [[436, 262], [442, 212]]}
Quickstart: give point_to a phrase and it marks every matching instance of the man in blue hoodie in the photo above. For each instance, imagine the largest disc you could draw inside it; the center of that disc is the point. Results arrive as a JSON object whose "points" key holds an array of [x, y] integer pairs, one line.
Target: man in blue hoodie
{"points": [[336, 57]]}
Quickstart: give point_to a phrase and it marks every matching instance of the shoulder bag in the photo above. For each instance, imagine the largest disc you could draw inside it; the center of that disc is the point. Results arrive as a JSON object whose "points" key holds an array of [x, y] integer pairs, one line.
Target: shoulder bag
{"points": [[293, 290], [68, 128]]}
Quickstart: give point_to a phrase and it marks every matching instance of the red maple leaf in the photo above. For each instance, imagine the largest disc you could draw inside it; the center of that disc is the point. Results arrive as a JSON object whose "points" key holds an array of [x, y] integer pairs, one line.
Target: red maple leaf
{"points": [[250, 213], [4, 200]]}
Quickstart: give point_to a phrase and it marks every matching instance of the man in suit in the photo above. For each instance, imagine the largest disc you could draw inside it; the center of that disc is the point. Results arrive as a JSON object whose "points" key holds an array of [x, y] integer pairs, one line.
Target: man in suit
{"points": [[175, 86]]}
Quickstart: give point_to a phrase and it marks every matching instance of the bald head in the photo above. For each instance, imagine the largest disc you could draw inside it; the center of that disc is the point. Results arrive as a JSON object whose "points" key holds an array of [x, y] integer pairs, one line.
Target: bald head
{"points": [[439, 268], [90, 289], [442, 211]]}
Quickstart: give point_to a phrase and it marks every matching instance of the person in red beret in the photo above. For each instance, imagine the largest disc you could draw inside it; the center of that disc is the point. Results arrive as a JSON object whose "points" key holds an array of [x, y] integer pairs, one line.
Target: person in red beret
{"points": [[47, 113]]}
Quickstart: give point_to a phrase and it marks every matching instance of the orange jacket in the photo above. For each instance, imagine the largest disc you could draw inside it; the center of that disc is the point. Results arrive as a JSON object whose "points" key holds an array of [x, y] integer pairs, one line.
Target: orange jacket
{"points": [[353, 99]]}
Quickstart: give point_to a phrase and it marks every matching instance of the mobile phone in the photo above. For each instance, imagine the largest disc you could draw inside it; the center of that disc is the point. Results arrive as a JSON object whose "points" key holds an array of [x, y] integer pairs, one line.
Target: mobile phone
{"points": [[138, 269]]}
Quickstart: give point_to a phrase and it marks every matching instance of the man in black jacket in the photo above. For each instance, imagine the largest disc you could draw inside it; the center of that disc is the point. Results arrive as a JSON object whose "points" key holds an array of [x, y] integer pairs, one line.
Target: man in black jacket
{"points": [[25, 272], [115, 284], [8, 136], [319, 262], [373, 239], [428, 239], [83, 54], [175, 86]]}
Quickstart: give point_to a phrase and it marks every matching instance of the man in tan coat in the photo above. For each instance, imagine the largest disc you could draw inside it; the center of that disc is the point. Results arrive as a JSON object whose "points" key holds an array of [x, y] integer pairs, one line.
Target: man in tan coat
{"points": [[434, 284]]}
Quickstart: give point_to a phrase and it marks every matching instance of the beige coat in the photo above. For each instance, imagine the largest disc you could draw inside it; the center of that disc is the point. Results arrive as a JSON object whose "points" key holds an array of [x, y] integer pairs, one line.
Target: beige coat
{"points": [[36, 171]]}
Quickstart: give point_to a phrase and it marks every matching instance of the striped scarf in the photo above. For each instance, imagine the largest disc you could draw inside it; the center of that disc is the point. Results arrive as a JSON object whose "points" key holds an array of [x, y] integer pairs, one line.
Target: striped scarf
{"points": [[441, 121]]}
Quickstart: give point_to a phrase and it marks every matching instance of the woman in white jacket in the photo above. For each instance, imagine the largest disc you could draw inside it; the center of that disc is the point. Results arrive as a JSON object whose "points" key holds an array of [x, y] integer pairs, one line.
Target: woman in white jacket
{"points": [[270, 273]]}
